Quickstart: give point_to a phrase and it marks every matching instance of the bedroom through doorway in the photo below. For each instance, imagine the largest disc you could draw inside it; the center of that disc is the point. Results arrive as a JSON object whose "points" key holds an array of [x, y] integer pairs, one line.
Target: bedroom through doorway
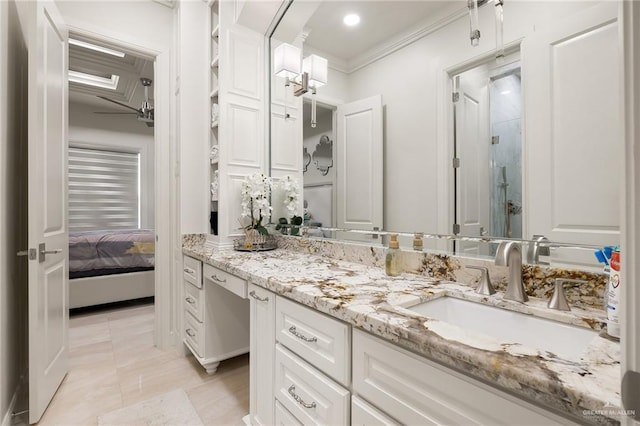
{"points": [[111, 176]]}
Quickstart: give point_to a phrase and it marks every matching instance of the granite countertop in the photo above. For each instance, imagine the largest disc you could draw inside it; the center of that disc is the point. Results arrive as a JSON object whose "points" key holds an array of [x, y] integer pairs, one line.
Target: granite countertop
{"points": [[586, 386]]}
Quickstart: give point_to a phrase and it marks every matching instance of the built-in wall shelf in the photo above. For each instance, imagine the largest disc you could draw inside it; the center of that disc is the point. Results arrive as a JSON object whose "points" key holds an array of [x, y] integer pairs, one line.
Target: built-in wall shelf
{"points": [[214, 62], [214, 93], [214, 162], [214, 124], [215, 31]]}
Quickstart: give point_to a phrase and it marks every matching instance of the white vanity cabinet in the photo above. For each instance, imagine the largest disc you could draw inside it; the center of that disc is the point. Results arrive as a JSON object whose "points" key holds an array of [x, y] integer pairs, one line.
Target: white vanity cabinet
{"points": [[312, 365], [310, 368], [263, 340], [414, 390], [215, 314]]}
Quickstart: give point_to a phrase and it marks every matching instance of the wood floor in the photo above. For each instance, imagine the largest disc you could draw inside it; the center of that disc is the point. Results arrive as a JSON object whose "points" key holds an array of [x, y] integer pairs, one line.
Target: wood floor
{"points": [[113, 364]]}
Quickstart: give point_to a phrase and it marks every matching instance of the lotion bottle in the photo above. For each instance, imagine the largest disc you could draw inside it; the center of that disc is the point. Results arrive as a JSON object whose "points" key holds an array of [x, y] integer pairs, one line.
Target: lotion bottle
{"points": [[391, 264], [613, 296]]}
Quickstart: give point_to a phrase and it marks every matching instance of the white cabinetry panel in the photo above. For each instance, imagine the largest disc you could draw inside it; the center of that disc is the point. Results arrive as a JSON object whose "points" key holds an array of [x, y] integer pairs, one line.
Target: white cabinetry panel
{"points": [[245, 50], [263, 339], [246, 130], [364, 414], [308, 394], [414, 390], [285, 154], [284, 417], [319, 339]]}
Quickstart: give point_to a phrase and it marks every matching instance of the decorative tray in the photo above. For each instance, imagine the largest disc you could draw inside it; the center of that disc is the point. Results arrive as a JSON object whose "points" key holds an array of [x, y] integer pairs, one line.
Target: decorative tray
{"points": [[263, 243]]}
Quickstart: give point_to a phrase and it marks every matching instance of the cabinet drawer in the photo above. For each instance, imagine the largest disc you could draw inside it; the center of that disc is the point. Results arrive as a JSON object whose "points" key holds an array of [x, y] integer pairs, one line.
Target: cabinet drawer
{"points": [[194, 301], [194, 334], [192, 270], [364, 414], [235, 285], [308, 394], [284, 417], [322, 341], [414, 390]]}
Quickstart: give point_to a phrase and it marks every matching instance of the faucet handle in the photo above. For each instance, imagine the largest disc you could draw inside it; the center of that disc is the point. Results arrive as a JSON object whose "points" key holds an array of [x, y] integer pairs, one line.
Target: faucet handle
{"points": [[484, 286], [558, 300]]}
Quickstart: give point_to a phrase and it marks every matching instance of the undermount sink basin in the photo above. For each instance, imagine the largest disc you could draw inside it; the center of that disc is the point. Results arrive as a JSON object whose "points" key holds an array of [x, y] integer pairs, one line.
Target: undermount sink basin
{"points": [[537, 333]]}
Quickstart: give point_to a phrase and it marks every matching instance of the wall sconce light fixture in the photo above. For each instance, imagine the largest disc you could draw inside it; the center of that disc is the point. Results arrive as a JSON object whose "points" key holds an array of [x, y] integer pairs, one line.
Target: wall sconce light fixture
{"points": [[474, 33], [312, 74]]}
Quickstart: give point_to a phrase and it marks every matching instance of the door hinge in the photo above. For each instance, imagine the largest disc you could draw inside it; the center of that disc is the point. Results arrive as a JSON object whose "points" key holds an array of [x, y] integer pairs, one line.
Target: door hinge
{"points": [[455, 97], [375, 233], [495, 140], [456, 162], [456, 228]]}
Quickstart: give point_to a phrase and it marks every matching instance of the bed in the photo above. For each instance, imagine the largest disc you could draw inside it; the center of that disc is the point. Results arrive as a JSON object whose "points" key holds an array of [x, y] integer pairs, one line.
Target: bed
{"points": [[110, 266]]}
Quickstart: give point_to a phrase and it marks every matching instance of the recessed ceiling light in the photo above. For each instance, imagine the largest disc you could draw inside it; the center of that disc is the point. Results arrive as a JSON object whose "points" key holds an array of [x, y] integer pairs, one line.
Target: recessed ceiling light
{"points": [[94, 80], [351, 20], [100, 49]]}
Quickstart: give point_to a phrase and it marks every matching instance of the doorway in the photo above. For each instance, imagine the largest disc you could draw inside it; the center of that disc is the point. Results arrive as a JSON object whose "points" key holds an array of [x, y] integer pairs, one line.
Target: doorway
{"points": [[111, 174], [319, 168], [487, 165]]}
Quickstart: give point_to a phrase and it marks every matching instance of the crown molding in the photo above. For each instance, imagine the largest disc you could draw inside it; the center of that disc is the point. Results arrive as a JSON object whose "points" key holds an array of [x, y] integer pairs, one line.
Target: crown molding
{"points": [[413, 34]]}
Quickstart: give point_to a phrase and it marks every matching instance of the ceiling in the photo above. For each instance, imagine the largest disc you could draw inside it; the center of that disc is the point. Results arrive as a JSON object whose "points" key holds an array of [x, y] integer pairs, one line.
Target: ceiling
{"points": [[380, 22], [129, 68]]}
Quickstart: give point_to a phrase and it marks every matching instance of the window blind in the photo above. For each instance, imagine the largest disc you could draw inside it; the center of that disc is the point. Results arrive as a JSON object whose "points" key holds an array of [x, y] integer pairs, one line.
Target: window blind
{"points": [[104, 189]]}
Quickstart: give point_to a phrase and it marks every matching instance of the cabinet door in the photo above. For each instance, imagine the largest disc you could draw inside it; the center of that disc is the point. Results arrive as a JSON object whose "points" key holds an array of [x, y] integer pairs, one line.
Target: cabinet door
{"points": [[416, 391], [261, 401]]}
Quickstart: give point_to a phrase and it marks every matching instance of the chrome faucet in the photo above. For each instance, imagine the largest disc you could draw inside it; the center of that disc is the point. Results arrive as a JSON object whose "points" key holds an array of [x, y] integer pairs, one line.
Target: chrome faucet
{"points": [[535, 251], [509, 254]]}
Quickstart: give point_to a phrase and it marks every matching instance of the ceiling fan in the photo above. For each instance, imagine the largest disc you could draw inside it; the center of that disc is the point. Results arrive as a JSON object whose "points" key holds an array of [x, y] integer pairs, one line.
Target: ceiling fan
{"points": [[144, 113]]}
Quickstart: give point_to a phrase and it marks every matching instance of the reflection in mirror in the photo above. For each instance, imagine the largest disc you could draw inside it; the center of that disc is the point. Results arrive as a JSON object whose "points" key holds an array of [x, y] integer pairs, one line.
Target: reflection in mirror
{"points": [[539, 154], [487, 143]]}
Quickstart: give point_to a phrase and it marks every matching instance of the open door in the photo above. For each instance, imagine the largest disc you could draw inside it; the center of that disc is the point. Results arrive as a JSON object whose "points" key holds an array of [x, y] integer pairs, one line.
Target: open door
{"points": [[472, 150], [48, 235], [359, 166]]}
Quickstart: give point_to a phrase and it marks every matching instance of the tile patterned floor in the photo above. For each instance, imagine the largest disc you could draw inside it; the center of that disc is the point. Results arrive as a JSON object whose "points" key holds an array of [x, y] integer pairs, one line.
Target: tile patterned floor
{"points": [[113, 364]]}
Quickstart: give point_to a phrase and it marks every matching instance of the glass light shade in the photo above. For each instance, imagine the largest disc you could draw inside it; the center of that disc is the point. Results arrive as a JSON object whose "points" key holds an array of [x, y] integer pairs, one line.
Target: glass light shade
{"points": [[286, 61], [317, 68]]}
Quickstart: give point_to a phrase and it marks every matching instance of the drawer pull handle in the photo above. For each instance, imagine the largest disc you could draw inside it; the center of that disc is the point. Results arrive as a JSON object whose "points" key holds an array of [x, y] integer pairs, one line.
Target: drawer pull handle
{"points": [[189, 271], [292, 392], [190, 332], [258, 298], [220, 280], [190, 300], [293, 331]]}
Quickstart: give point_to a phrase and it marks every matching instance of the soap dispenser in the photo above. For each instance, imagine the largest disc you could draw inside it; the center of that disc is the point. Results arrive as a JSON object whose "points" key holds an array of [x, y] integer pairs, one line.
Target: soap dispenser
{"points": [[391, 264]]}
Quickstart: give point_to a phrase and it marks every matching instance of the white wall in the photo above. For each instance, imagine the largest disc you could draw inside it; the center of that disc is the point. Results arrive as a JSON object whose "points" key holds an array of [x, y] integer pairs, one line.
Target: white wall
{"points": [[120, 132], [412, 82], [144, 20], [13, 233]]}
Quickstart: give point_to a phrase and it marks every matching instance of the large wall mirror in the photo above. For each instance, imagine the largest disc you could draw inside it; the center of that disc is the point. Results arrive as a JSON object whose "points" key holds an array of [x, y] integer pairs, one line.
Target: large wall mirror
{"points": [[416, 130]]}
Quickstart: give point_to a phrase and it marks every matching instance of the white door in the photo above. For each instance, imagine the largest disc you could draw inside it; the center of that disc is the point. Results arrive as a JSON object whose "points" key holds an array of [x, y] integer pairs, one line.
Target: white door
{"points": [[359, 168], [473, 144], [573, 131], [48, 234]]}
